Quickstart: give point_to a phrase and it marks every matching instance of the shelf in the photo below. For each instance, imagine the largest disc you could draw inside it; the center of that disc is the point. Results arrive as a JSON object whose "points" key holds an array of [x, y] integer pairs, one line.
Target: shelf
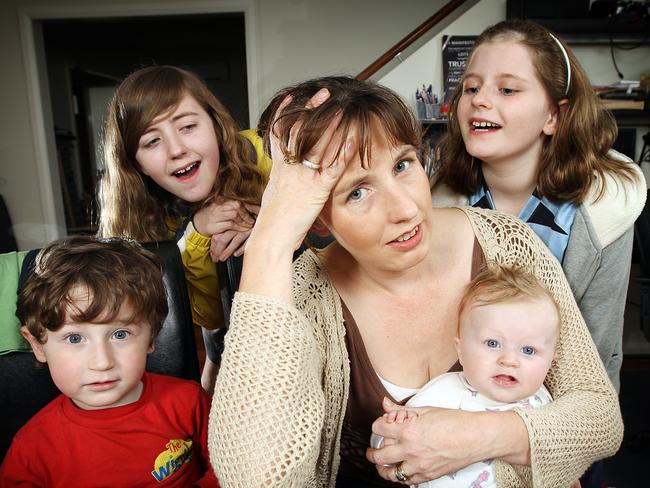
{"points": [[578, 26], [624, 118], [597, 31], [427, 122], [632, 117]]}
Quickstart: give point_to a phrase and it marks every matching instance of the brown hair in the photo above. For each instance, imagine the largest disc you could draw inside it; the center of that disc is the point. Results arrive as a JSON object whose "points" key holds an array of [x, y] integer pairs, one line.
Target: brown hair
{"points": [[585, 132], [113, 271], [130, 203], [501, 284], [360, 103]]}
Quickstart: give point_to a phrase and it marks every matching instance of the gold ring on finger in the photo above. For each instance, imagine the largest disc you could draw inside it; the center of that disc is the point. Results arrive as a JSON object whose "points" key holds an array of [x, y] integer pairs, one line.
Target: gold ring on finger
{"points": [[399, 474]]}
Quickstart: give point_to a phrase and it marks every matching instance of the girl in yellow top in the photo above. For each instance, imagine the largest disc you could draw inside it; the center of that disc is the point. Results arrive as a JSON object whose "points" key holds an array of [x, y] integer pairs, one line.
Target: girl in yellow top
{"points": [[172, 150]]}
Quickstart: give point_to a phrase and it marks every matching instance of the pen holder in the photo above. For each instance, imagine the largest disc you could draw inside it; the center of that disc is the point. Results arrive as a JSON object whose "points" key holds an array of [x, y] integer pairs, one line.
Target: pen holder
{"points": [[435, 109], [421, 110], [428, 109]]}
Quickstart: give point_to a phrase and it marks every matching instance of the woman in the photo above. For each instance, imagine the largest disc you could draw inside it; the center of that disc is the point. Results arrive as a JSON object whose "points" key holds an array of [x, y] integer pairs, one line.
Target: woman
{"points": [[310, 356]]}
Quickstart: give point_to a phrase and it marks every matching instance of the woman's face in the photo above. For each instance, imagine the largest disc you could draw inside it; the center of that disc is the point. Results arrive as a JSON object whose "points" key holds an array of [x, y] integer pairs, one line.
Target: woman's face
{"points": [[504, 112], [381, 215], [179, 151]]}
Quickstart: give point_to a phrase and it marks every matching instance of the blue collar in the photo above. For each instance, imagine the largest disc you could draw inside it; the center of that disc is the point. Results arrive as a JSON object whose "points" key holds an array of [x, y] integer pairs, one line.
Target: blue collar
{"points": [[550, 220]]}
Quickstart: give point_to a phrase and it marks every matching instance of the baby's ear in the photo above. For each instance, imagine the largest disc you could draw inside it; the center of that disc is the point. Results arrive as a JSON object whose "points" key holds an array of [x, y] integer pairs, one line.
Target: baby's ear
{"points": [[36, 346], [320, 229]]}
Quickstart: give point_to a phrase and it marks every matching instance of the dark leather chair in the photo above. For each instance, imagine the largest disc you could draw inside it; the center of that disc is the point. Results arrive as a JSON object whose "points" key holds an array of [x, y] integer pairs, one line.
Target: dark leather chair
{"points": [[26, 385], [642, 238]]}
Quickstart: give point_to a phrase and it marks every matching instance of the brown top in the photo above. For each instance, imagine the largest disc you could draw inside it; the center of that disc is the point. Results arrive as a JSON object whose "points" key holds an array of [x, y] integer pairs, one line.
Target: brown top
{"points": [[364, 402]]}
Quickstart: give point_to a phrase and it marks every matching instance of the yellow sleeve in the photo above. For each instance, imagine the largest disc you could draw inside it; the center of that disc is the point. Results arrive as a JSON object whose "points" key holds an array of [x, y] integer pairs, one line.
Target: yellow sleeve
{"points": [[202, 279], [264, 162]]}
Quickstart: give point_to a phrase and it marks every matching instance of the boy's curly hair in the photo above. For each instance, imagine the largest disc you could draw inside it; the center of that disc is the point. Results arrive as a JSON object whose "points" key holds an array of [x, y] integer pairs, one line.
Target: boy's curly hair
{"points": [[113, 271]]}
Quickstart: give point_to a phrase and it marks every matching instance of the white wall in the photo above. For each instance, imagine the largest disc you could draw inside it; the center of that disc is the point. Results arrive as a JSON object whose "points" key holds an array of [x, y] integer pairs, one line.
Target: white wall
{"points": [[425, 65], [294, 40], [301, 39]]}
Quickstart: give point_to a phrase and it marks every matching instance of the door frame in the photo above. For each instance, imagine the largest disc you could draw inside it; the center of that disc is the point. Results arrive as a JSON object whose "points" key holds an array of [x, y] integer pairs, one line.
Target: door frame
{"points": [[40, 106]]}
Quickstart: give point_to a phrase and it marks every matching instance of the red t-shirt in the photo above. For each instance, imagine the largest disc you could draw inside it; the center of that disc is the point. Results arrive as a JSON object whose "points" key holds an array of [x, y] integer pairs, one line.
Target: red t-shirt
{"points": [[158, 441]]}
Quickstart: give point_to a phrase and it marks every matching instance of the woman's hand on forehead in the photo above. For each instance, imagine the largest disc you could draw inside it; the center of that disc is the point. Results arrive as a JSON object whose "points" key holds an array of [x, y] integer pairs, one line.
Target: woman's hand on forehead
{"points": [[297, 192]]}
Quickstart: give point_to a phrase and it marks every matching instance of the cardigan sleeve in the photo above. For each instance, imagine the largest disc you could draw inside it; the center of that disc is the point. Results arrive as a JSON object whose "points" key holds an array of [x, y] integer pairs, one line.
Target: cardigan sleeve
{"points": [[583, 423], [268, 410]]}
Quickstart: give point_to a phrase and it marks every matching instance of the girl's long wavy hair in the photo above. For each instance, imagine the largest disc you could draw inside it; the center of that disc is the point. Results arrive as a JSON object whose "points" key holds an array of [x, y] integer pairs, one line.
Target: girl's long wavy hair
{"points": [[362, 105], [575, 154], [130, 203]]}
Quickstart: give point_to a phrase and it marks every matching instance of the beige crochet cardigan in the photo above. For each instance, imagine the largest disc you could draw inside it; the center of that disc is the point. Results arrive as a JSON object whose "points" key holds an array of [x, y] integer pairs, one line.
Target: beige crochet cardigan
{"points": [[283, 386]]}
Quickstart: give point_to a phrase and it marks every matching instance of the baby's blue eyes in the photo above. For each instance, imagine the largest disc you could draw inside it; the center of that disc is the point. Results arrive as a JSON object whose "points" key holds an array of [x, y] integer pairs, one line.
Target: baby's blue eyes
{"points": [[528, 350], [494, 344]]}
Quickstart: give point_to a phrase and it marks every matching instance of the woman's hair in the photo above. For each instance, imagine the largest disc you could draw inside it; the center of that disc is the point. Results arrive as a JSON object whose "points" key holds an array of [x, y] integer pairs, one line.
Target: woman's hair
{"points": [[584, 135], [113, 271], [362, 105], [130, 203]]}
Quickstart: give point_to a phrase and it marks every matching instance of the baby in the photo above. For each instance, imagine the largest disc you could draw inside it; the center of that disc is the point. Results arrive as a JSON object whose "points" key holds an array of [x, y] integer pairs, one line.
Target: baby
{"points": [[508, 328]]}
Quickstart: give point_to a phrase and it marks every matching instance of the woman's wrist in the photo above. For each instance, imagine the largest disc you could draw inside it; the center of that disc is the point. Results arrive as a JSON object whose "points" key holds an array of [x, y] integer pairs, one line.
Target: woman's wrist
{"points": [[505, 437], [267, 267]]}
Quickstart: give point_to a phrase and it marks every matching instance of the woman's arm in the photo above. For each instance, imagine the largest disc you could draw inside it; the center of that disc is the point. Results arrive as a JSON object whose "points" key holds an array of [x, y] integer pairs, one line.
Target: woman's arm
{"points": [[267, 415], [268, 410]]}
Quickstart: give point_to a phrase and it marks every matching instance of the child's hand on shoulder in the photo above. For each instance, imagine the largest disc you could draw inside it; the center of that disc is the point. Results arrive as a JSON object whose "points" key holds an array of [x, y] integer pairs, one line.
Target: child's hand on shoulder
{"points": [[228, 223]]}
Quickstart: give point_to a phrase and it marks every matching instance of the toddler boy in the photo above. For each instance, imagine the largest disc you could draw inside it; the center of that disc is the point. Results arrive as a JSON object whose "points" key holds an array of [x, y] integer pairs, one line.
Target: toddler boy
{"points": [[91, 310]]}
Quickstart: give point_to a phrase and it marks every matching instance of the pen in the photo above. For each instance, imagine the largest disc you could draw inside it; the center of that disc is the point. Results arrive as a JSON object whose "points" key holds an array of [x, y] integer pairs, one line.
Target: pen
{"points": [[424, 94]]}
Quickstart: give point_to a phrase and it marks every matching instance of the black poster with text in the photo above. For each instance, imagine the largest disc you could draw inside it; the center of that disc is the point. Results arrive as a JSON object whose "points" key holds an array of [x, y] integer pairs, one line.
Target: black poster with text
{"points": [[455, 54]]}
